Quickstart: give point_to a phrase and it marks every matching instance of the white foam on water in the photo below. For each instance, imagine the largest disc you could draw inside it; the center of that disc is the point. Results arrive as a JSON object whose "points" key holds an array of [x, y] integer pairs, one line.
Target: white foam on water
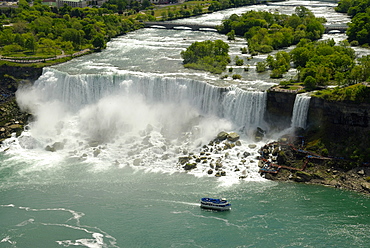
{"points": [[134, 120], [98, 239]]}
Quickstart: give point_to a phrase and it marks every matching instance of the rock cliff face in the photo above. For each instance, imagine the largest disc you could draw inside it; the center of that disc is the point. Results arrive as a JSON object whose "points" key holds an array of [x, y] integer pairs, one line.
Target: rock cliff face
{"points": [[338, 121], [341, 129], [279, 108], [347, 116], [12, 119], [342, 124], [21, 72]]}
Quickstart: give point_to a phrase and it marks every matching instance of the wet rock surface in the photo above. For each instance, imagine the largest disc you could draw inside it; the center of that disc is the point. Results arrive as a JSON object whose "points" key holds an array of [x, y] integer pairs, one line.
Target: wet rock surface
{"points": [[301, 168]]}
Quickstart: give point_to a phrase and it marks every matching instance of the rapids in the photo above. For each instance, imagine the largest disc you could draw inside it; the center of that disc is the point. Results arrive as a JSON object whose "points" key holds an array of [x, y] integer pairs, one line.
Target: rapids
{"points": [[134, 104], [97, 166]]}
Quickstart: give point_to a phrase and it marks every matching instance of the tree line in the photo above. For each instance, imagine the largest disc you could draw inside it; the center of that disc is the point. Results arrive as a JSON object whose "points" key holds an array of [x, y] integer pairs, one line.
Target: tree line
{"points": [[266, 31], [358, 31], [39, 29], [212, 56]]}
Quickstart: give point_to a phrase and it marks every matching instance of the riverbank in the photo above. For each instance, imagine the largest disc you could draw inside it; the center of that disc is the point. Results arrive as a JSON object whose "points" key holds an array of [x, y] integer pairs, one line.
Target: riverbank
{"points": [[278, 111], [287, 161], [327, 172]]}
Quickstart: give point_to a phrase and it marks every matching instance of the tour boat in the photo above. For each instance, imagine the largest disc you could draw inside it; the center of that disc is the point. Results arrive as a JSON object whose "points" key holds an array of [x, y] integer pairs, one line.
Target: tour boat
{"points": [[215, 204]]}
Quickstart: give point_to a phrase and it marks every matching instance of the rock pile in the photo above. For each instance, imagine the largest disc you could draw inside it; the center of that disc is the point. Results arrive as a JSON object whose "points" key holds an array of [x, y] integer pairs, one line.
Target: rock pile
{"points": [[213, 158], [11, 120]]}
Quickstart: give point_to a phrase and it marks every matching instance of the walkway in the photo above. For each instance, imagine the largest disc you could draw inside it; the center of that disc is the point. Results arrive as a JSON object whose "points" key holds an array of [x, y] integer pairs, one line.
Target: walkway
{"points": [[25, 60]]}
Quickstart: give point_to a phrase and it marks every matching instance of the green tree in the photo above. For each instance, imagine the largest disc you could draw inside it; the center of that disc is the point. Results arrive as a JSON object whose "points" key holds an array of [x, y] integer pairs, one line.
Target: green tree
{"points": [[231, 35], [98, 41], [31, 43], [207, 55], [310, 83], [239, 61], [6, 37], [359, 28], [9, 49], [74, 36], [49, 45], [261, 66]]}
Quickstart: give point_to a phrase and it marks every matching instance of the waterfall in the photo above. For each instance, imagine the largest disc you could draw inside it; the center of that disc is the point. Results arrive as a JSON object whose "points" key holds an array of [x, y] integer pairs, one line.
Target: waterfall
{"points": [[137, 120], [300, 110], [245, 109]]}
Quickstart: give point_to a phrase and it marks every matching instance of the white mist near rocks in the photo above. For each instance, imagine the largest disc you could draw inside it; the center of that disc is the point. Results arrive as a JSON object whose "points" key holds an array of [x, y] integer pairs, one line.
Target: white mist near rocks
{"points": [[123, 119]]}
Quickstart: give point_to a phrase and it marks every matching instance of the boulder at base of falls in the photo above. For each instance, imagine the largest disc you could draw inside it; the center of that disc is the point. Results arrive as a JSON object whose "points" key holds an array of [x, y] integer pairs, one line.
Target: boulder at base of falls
{"points": [[54, 147], [183, 160], [222, 136], [302, 176], [136, 162], [232, 137], [190, 166], [259, 134], [96, 152]]}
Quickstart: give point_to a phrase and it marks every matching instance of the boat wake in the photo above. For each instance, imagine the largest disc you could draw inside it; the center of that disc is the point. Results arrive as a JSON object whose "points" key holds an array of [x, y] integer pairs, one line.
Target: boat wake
{"points": [[98, 238]]}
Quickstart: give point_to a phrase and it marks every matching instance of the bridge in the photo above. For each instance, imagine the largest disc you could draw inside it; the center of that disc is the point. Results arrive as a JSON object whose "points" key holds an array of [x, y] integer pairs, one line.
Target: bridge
{"points": [[341, 28], [298, 5], [172, 25]]}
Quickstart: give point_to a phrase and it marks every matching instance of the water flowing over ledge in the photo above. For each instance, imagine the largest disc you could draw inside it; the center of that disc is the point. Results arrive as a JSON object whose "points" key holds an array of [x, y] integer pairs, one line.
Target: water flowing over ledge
{"points": [[140, 121], [245, 109], [300, 110]]}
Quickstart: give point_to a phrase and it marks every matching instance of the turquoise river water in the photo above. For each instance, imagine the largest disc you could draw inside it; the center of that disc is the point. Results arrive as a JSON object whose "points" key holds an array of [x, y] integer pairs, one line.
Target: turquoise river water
{"points": [[120, 119]]}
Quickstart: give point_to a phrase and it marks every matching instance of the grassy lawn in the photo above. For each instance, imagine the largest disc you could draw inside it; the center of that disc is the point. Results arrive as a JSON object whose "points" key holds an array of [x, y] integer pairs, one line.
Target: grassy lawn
{"points": [[159, 9], [40, 53]]}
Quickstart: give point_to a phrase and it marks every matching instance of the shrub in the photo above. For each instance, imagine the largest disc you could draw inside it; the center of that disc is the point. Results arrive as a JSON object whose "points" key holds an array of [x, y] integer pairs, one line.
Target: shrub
{"points": [[261, 67], [239, 62], [310, 82], [236, 76], [207, 55]]}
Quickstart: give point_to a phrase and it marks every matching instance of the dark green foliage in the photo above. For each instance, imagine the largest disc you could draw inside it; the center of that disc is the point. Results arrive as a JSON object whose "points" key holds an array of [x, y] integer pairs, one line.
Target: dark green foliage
{"points": [[239, 61], [40, 27], [224, 4], [267, 31], [261, 67], [207, 55], [237, 76], [279, 64], [355, 93], [310, 83], [322, 62], [359, 27], [231, 35], [98, 41]]}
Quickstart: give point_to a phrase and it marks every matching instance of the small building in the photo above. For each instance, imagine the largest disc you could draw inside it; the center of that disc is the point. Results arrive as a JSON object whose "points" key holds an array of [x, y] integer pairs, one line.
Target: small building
{"points": [[50, 3], [72, 3]]}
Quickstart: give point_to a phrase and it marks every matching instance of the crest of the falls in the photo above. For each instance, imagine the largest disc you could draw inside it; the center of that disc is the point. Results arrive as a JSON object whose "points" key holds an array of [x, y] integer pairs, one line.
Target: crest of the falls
{"points": [[300, 110], [245, 109], [125, 119]]}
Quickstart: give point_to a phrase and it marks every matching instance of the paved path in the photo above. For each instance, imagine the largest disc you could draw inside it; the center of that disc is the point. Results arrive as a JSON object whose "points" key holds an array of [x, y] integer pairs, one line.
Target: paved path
{"points": [[25, 60]]}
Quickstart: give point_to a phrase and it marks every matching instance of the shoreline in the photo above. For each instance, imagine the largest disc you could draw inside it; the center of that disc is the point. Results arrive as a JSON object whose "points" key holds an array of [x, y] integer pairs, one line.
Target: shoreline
{"points": [[318, 174], [312, 170]]}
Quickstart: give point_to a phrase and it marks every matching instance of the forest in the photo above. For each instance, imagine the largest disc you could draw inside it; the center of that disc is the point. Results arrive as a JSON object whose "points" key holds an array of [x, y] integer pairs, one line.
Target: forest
{"points": [[359, 28], [212, 56], [41, 31], [266, 31]]}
